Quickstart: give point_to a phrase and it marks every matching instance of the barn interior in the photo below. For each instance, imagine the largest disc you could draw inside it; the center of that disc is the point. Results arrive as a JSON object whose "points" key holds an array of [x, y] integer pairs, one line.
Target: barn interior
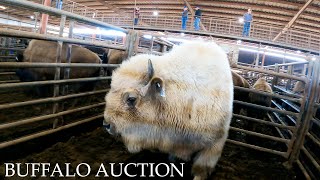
{"points": [[52, 119]]}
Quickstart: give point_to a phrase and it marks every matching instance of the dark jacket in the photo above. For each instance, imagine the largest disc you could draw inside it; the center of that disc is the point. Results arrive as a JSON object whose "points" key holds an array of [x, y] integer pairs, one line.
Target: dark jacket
{"points": [[197, 13]]}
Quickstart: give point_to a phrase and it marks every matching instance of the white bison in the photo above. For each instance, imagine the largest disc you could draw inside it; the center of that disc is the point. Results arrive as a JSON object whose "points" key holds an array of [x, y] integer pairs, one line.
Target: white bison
{"points": [[179, 103]]}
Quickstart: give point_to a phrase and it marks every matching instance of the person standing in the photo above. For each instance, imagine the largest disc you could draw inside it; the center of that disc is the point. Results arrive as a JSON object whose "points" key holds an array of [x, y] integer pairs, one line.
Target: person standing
{"points": [[247, 17], [197, 16], [184, 18], [136, 15], [59, 4]]}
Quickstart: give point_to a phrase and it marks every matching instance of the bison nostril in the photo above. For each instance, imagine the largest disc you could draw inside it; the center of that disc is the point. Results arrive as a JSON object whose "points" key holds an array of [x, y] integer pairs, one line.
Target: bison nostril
{"points": [[107, 126]]}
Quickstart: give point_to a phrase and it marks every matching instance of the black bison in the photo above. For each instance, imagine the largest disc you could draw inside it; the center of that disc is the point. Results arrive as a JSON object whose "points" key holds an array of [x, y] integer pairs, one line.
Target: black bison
{"points": [[179, 103]]}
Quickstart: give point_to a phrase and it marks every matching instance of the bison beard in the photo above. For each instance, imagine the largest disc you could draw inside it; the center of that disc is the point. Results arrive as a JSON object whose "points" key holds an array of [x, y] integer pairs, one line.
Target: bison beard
{"points": [[179, 103]]}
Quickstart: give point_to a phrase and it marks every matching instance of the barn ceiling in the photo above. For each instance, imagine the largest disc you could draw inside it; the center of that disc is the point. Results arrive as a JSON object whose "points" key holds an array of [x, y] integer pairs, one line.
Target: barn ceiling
{"points": [[274, 13], [277, 12]]}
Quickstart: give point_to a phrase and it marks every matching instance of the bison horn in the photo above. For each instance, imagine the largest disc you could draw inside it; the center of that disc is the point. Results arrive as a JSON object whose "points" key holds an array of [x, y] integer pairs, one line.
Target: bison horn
{"points": [[150, 71]]}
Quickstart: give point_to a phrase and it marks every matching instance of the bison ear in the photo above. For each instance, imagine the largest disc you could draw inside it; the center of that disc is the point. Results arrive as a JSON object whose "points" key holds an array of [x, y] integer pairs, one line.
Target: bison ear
{"points": [[19, 57], [154, 88], [158, 87]]}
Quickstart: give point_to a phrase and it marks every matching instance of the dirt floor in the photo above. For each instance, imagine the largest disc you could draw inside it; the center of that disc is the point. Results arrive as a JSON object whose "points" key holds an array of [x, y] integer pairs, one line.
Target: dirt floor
{"points": [[98, 147]]}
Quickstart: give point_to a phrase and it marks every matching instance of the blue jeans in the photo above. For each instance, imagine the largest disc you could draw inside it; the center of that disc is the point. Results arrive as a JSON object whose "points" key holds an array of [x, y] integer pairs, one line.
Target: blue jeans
{"points": [[136, 20], [197, 24], [246, 29], [59, 4], [184, 22]]}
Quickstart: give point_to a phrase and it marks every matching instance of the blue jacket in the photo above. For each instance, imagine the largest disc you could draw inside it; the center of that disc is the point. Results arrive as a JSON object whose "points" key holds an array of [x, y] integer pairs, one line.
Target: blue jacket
{"points": [[247, 17]]}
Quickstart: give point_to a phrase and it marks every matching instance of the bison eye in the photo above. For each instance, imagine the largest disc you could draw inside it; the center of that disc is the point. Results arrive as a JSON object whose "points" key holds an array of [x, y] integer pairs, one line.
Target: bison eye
{"points": [[131, 101]]}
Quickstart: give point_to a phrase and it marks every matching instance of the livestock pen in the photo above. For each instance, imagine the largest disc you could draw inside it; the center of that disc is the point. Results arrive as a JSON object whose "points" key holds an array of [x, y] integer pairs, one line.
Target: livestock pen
{"points": [[65, 127]]}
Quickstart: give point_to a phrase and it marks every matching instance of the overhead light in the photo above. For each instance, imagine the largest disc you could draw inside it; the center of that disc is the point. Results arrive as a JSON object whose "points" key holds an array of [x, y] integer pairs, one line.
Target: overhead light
{"points": [[313, 58], [241, 20], [98, 32], [298, 51], [161, 33], [274, 54], [31, 17], [239, 42], [182, 34], [2, 7], [147, 36], [155, 13]]}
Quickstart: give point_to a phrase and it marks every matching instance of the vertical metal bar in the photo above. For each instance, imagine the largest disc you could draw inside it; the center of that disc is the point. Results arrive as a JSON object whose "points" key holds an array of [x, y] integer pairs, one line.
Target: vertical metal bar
{"points": [[305, 66], [151, 46], [275, 78], [57, 73], [69, 48], [306, 116], [36, 14], [300, 117], [290, 71]]}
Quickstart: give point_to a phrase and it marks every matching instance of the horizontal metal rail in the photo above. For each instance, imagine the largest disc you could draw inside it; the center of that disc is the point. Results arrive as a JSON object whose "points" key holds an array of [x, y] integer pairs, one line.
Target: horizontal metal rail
{"points": [[7, 73], [49, 116], [14, 49], [303, 79], [54, 65], [7, 57], [313, 161], [265, 108], [288, 93], [304, 171], [284, 154], [32, 35], [287, 64], [315, 140], [49, 100], [9, 81], [39, 83], [283, 126], [50, 10], [267, 94], [47, 132], [260, 135]]}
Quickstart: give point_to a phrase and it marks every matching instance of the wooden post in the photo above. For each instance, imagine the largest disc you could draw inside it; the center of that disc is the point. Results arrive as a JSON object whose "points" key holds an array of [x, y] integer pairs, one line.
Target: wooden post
{"points": [[131, 42], [44, 19]]}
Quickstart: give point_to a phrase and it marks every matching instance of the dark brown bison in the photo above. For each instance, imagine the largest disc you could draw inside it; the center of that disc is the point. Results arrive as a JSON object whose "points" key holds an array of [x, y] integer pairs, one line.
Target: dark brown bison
{"points": [[299, 87], [238, 94], [179, 103], [261, 85], [39, 51]]}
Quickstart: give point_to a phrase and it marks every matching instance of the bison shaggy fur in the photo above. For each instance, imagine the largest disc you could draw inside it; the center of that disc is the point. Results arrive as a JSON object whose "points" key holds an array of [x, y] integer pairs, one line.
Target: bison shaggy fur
{"points": [[179, 103]]}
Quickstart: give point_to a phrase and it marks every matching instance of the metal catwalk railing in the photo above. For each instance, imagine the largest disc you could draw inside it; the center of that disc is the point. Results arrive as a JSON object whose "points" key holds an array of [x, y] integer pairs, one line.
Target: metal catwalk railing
{"points": [[224, 26]]}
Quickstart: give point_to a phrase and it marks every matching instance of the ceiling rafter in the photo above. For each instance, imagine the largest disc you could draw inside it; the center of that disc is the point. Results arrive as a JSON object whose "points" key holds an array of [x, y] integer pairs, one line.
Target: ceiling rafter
{"points": [[293, 20]]}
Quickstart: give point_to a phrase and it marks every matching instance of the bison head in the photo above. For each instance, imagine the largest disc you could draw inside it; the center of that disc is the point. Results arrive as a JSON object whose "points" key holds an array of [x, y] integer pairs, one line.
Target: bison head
{"points": [[134, 98]]}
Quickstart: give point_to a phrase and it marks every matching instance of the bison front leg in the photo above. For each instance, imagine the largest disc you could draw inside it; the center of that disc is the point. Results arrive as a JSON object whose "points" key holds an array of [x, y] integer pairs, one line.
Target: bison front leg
{"points": [[206, 160]]}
